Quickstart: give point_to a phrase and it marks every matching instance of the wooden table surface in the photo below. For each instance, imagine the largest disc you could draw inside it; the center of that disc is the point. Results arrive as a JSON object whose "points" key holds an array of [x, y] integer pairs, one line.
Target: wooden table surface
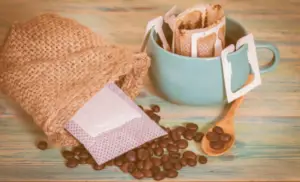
{"points": [[268, 123]]}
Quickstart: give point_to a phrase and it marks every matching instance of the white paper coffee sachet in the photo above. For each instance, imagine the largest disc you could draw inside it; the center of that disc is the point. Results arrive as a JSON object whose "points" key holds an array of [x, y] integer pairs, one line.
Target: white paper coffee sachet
{"points": [[110, 124]]}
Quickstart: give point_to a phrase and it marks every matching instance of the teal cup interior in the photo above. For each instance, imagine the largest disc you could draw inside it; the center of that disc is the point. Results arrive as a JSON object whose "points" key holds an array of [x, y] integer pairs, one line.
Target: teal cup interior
{"points": [[199, 81]]}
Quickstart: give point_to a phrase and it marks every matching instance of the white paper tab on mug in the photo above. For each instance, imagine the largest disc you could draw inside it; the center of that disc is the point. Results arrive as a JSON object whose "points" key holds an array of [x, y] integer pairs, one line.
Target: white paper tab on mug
{"points": [[227, 70], [157, 23]]}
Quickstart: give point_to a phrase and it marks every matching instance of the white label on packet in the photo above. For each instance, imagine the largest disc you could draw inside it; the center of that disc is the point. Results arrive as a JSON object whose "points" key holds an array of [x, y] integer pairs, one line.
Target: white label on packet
{"points": [[157, 23], [103, 112], [227, 69], [218, 43]]}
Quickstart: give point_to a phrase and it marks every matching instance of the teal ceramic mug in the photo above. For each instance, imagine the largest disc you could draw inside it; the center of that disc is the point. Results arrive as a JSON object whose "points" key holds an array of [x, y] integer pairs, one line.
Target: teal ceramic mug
{"points": [[199, 81]]}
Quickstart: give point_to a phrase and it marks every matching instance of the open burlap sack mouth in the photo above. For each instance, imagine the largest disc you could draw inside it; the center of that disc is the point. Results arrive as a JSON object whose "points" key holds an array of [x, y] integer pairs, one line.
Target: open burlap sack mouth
{"points": [[52, 65], [200, 19]]}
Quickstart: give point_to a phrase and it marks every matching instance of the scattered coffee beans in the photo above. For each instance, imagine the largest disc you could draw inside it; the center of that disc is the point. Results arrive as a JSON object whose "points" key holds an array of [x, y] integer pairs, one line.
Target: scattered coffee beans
{"points": [[189, 134], [202, 159], [131, 156], [172, 173], [42, 145], [71, 163], [198, 137], [182, 144], [218, 139], [155, 108], [192, 127]]}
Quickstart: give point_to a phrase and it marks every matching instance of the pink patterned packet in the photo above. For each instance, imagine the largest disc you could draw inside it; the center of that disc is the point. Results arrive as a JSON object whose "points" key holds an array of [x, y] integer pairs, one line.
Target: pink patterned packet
{"points": [[110, 124]]}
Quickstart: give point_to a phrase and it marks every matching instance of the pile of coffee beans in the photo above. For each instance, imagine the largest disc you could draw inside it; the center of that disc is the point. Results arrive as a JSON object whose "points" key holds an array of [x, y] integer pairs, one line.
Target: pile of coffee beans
{"points": [[217, 138], [158, 159]]}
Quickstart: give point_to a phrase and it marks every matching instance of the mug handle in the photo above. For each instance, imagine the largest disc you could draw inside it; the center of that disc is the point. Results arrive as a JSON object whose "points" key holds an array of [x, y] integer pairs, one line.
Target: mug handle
{"points": [[276, 56]]}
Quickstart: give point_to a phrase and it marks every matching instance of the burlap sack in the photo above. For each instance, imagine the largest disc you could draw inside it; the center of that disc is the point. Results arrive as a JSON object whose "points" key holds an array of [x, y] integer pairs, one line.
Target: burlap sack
{"points": [[52, 65], [201, 18]]}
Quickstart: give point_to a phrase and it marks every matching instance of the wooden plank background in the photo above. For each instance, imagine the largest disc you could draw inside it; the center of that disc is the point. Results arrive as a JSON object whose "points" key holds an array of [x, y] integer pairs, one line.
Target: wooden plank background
{"points": [[268, 123]]}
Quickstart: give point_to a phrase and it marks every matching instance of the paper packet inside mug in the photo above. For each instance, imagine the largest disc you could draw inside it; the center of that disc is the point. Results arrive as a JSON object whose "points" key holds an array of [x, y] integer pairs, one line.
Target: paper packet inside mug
{"points": [[200, 31], [110, 124]]}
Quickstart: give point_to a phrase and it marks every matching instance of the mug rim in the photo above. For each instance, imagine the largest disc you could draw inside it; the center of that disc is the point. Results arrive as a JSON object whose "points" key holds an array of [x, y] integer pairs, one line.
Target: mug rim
{"points": [[152, 33]]}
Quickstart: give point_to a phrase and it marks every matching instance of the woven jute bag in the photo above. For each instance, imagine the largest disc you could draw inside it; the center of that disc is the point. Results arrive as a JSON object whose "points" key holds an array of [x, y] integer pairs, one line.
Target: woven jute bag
{"points": [[53, 65]]}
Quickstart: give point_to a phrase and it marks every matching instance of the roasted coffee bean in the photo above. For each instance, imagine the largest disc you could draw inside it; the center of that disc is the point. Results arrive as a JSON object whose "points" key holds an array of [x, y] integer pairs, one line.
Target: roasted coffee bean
{"points": [[168, 141], [164, 158], [198, 136], [172, 173], [77, 150], [167, 130], [83, 155], [189, 134], [82, 161], [90, 161], [189, 155], [150, 151], [71, 163], [149, 113], [192, 127], [156, 161], [212, 136], [140, 165], [155, 108], [155, 169], [158, 151], [148, 163], [159, 176], [153, 145], [172, 148], [225, 137], [180, 130], [98, 167], [191, 162], [137, 174], [131, 156], [218, 130], [182, 144], [145, 145], [155, 117], [175, 155], [167, 165], [68, 154], [147, 173], [131, 167], [119, 161], [163, 144], [141, 107], [202, 159], [142, 154], [42, 145], [183, 162], [175, 135], [216, 145], [177, 166], [124, 167]]}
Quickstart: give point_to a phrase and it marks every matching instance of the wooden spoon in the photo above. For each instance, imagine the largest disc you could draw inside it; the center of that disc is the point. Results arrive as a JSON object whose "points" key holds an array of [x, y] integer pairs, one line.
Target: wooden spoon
{"points": [[228, 126]]}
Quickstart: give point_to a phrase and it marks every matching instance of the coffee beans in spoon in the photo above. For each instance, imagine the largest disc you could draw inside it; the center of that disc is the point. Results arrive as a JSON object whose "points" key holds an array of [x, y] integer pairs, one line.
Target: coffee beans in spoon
{"points": [[217, 138]]}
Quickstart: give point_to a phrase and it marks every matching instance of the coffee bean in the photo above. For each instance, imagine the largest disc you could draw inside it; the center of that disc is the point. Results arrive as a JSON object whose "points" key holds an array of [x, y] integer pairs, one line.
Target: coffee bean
{"points": [[148, 163], [216, 145], [198, 137], [138, 174], [189, 155], [188, 134], [225, 137], [149, 113], [183, 162], [83, 155], [175, 135], [156, 161], [131, 156], [159, 176], [68, 154], [191, 162], [90, 161], [155, 108], [147, 173], [119, 161], [182, 144], [177, 166], [142, 154], [168, 141], [212, 136], [155, 117], [167, 165], [141, 107], [172, 148], [98, 167], [155, 169], [124, 167], [218, 130], [150, 151], [158, 151], [174, 155], [192, 127], [77, 150], [110, 163], [167, 130], [202, 159], [140, 165], [180, 130], [82, 161], [71, 163], [172, 173], [163, 144], [42, 145], [164, 158], [131, 167]]}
